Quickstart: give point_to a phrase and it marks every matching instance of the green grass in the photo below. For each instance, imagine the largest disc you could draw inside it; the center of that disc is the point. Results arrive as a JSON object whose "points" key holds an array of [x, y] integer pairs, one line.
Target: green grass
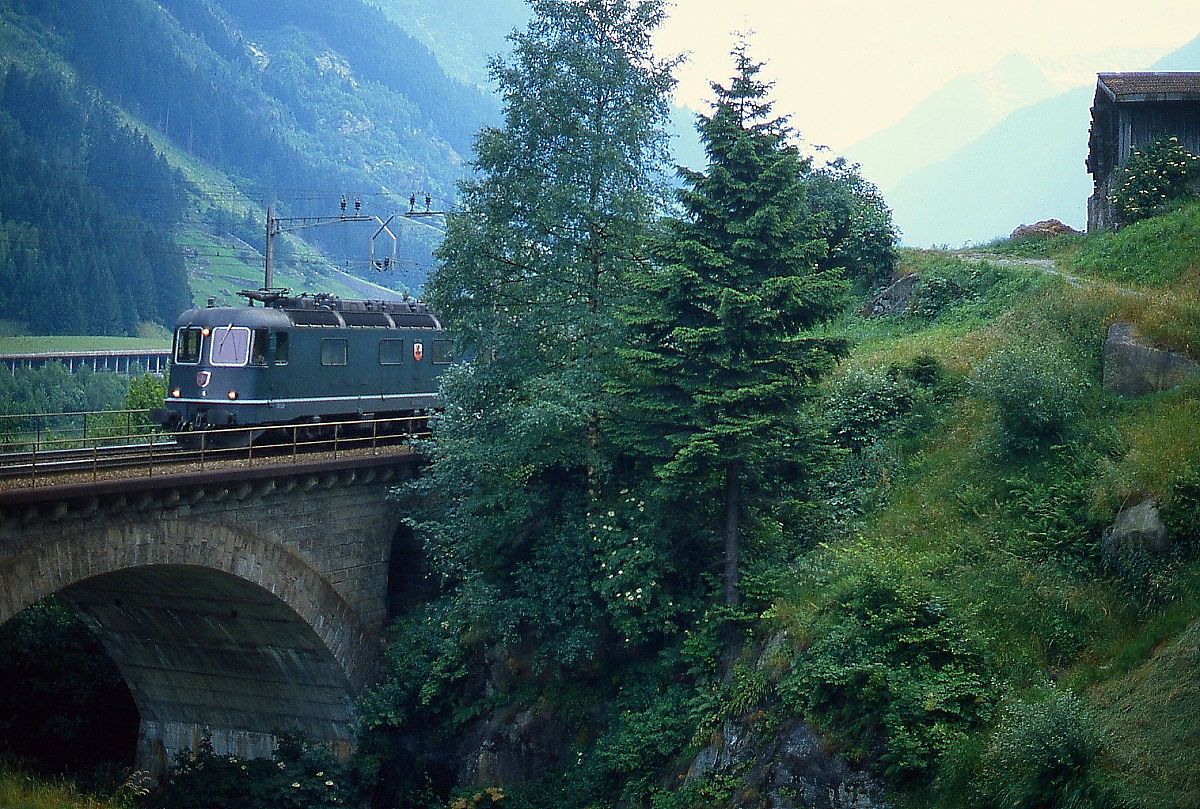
{"points": [[21, 790], [1153, 724], [219, 268], [1009, 544], [31, 345], [1155, 251]]}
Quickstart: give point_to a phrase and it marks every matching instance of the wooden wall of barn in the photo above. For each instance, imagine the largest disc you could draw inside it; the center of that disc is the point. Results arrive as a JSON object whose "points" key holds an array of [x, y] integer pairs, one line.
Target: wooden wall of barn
{"points": [[1130, 126]]}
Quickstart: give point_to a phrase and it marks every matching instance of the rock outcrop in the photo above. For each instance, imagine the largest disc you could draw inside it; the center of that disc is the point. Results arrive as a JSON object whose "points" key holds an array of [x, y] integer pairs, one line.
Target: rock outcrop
{"points": [[895, 299], [513, 746], [1137, 531], [790, 769], [1134, 368]]}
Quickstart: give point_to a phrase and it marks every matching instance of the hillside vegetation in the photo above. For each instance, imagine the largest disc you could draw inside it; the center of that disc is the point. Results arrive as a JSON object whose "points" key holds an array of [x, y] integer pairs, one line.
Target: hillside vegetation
{"points": [[691, 501], [951, 621], [696, 531], [967, 632], [952, 625]]}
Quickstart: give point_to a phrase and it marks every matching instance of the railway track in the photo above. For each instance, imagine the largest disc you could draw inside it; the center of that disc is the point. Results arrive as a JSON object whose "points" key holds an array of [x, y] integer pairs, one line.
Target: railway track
{"points": [[49, 460]]}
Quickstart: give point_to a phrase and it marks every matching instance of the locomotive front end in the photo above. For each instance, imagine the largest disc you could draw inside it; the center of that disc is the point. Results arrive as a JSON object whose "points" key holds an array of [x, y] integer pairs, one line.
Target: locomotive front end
{"points": [[218, 363]]}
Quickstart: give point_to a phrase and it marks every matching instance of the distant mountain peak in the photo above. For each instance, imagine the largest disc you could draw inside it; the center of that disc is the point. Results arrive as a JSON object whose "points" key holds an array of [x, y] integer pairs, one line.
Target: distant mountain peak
{"points": [[1027, 167], [967, 106]]}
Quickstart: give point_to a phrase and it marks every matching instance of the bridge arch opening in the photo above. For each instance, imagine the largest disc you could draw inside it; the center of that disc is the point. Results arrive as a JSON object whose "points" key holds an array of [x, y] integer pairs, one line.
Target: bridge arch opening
{"points": [[208, 654], [219, 632], [65, 708]]}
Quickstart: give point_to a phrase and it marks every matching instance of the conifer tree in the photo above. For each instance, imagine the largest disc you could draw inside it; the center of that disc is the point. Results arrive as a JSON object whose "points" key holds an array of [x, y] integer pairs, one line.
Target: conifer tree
{"points": [[556, 222], [723, 356]]}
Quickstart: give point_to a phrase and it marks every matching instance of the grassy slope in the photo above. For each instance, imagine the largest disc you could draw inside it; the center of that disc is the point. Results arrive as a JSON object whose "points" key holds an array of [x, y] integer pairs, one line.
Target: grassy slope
{"points": [[218, 267], [1011, 543]]}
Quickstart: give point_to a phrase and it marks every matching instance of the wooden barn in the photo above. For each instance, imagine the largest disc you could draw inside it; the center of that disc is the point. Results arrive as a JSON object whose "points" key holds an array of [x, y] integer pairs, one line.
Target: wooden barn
{"points": [[1131, 110]]}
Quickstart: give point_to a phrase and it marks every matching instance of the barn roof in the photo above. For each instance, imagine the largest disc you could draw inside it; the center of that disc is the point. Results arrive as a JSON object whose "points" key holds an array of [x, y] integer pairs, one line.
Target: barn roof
{"points": [[1173, 86]]}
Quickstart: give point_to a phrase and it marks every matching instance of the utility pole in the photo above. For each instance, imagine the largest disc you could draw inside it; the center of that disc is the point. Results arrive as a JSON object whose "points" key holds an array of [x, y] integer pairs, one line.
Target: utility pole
{"points": [[277, 225]]}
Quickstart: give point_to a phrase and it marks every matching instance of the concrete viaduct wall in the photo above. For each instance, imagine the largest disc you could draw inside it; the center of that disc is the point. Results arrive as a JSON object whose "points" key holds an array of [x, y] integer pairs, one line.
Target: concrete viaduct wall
{"points": [[236, 606]]}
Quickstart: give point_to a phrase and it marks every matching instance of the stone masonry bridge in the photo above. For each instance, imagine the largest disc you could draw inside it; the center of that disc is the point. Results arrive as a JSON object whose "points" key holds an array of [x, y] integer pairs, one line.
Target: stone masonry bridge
{"points": [[237, 604]]}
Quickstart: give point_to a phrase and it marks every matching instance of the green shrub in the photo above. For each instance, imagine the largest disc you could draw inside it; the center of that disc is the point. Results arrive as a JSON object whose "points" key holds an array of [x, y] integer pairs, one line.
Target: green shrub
{"points": [[949, 287], [1042, 756], [891, 672], [1050, 505], [1160, 174], [1037, 394], [865, 406], [937, 293], [923, 370], [426, 665], [300, 777]]}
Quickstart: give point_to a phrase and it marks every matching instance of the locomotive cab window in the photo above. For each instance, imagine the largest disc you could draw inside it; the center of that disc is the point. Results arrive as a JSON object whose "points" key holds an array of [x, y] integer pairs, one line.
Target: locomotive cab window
{"points": [[281, 348], [442, 352], [391, 352], [187, 345], [333, 351], [230, 346], [258, 347]]}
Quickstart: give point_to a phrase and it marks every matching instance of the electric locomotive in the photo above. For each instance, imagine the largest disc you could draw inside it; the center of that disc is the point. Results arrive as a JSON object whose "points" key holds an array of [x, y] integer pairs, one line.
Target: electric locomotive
{"points": [[300, 360]]}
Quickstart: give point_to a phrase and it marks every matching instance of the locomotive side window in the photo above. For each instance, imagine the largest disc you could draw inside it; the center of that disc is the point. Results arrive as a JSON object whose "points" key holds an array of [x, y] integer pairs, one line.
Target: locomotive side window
{"points": [[281, 348], [333, 351], [258, 347], [391, 352], [230, 346], [187, 345], [442, 352]]}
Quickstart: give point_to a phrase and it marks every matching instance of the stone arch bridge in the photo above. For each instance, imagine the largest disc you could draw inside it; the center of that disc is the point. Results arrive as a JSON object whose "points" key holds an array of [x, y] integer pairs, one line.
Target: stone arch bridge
{"points": [[237, 604]]}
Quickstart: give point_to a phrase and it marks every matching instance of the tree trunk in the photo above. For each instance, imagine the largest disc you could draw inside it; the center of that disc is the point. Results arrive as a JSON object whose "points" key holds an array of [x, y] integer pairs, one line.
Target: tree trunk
{"points": [[733, 528]]}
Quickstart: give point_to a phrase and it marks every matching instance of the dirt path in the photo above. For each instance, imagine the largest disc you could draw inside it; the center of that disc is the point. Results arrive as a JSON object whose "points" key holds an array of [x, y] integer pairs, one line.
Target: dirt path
{"points": [[1047, 266]]}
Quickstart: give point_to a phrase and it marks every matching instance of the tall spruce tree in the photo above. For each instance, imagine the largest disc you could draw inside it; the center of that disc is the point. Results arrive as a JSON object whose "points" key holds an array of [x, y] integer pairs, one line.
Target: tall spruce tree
{"points": [[722, 357], [555, 224]]}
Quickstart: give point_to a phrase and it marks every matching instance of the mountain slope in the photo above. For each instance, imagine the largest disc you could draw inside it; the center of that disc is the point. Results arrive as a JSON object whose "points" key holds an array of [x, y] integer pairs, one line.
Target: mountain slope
{"points": [[1030, 166], [967, 106], [459, 36], [294, 103], [956, 114], [1027, 168]]}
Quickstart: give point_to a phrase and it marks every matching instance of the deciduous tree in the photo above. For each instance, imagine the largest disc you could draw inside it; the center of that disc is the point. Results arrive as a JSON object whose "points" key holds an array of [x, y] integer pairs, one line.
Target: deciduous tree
{"points": [[556, 224]]}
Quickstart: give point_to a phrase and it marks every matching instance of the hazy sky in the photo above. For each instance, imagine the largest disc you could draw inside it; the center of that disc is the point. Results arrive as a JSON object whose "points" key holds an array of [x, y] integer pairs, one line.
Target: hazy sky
{"points": [[847, 68]]}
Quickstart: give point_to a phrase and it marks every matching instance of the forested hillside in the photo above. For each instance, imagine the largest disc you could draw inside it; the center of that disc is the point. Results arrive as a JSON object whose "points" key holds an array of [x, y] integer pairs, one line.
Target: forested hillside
{"points": [[84, 249], [142, 140]]}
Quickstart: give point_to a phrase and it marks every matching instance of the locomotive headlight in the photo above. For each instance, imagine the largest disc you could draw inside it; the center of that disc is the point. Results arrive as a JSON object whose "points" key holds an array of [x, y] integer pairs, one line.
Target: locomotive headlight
{"points": [[204, 331], [232, 395], [176, 393]]}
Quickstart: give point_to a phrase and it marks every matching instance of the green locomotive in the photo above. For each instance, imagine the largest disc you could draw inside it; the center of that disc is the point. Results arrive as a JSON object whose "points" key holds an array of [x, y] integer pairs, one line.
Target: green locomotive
{"points": [[302, 359]]}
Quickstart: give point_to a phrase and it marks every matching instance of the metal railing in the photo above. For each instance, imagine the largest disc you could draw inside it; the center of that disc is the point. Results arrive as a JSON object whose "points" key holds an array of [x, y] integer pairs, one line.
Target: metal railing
{"points": [[30, 432], [91, 449]]}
